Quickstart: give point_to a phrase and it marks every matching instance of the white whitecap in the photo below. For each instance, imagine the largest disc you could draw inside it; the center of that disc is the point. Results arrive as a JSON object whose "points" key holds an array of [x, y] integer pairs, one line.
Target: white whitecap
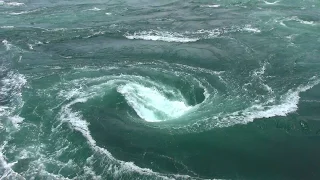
{"points": [[11, 3], [160, 36], [15, 4], [211, 5]]}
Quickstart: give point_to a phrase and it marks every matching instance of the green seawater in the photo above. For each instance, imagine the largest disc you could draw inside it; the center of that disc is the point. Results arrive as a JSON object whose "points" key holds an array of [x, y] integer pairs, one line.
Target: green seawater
{"points": [[171, 89]]}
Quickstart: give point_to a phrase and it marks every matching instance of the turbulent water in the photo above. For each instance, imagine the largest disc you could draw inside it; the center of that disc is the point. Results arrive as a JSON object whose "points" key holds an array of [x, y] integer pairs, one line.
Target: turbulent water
{"points": [[171, 89]]}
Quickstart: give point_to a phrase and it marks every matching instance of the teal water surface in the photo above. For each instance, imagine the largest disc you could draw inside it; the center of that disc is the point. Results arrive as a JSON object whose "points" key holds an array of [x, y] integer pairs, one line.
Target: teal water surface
{"points": [[172, 89]]}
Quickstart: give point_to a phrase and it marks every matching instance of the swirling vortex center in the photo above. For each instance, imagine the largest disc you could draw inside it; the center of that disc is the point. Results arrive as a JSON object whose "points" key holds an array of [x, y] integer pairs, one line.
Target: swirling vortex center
{"points": [[152, 104]]}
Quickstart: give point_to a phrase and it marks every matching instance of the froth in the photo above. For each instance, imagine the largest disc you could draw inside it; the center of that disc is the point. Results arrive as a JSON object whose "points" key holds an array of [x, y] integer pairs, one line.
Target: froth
{"points": [[6, 168], [271, 3], [94, 9], [188, 36], [211, 5], [249, 28], [152, 105], [160, 36], [288, 103], [12, 86], [11, 3], [6, 27], [6, 44]]}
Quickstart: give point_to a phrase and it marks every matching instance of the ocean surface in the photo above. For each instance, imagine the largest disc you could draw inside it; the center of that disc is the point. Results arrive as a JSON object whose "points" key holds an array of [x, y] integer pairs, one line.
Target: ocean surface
{"points": [[170, 89]]}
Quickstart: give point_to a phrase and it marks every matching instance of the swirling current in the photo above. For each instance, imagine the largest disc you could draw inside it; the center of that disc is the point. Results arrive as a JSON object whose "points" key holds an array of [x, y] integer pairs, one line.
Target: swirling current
{"points": [[141, 89]]}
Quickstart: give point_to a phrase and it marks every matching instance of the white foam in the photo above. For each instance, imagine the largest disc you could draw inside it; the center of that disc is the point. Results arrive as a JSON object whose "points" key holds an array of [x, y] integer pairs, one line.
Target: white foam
{"points": [[213, 33], [211, 5], [288, 104], [11, 86], [15, 4], [160, 36], [89, 171], [107, 13], [8, 173], [188, 36], [16, 120], [271, 3], [6, 27], [94, 9], [13, 83], [95, 34], [295, 18], [6, 44], [208, 33], [249, 28], [302, 21], [4, 110], [30, 46], [21, 12], [151, 105], [11, 3]]}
